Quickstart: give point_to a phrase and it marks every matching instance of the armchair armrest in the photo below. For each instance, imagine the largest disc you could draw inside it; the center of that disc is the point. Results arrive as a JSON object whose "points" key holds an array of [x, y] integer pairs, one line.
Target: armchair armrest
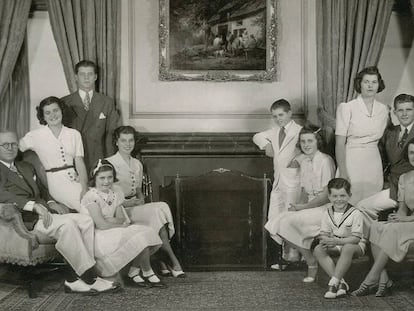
{"points": [[10, 216]]}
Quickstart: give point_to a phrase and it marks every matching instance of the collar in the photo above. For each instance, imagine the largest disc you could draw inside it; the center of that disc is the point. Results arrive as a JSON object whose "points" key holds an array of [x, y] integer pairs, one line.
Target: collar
{"points": [[8, 165], [402, 128], [82, 94], [287, 126]]}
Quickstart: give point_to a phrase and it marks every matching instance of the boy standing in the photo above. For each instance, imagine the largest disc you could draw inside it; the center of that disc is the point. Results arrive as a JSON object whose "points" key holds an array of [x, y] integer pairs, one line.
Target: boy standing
{"points": [[341, 233], [280, 143]]}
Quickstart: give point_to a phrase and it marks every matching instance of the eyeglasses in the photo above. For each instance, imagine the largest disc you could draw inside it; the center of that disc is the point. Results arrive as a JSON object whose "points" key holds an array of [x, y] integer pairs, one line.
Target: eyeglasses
{"points": [[10, 145]]}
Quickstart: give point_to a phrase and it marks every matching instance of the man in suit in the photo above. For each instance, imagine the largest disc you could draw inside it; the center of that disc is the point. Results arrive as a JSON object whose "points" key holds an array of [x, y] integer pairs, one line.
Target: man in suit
{"points": [[74, 233], [392, 145], [93, 114], [280, 142]]}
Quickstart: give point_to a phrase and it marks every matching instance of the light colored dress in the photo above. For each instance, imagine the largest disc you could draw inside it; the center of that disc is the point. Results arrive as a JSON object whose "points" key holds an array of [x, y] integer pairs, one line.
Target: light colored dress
{"points": [[116, 247], [54, 152], [362, 131], [300, 227], [395, 238], [154, 215]]}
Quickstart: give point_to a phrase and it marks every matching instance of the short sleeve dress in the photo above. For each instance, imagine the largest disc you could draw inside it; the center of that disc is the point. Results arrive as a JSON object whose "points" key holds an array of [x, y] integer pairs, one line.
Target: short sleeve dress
{"points": [[57, 152], [154, 214], [116, 247], [362, 131], [395, 238], [300, 227]]}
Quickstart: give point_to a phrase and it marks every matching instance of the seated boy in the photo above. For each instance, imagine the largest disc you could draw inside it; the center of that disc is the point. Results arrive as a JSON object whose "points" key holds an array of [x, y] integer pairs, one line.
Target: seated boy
{"points": [[341, 233]]}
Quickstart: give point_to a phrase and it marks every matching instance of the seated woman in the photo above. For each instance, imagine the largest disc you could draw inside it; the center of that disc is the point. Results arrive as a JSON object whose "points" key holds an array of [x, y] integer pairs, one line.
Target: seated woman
{"points": [[302, 223], [60, 150], [157, 215], [391, 239], [117, 242]]}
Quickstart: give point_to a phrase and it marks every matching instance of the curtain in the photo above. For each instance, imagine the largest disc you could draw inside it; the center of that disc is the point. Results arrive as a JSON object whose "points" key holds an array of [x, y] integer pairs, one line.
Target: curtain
{"points": [[88, 29], [412, 7], [14, 76], [15, 102], [350, 37]]}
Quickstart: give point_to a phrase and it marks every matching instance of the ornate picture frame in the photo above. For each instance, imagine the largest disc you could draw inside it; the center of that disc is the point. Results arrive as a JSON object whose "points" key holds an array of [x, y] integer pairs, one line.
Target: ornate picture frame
{"points": [[226, 41]]}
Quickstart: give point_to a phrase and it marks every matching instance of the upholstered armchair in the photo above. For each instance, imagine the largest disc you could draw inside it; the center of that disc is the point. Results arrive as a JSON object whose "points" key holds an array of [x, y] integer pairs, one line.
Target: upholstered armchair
{"points": [[23, 248]]}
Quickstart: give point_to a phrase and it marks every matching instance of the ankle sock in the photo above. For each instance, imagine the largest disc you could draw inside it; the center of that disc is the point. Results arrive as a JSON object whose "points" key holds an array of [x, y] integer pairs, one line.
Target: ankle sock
{"points": [[133, 271], [151, 276], [333, 281]]}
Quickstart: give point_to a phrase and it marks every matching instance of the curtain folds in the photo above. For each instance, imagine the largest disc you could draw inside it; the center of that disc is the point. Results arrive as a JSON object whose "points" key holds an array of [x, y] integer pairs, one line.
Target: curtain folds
{"points": [[412, 7], [88, 30], [350, 36], [15, 102], [14, 69]]}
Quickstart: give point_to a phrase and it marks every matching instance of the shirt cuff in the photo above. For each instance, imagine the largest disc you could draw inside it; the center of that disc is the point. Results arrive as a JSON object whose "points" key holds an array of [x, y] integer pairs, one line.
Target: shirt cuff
{"points": [[51, 201], [29, 206]]}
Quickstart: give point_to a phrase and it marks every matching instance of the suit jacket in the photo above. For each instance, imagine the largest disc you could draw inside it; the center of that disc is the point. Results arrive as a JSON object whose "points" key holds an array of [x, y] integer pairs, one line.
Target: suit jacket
{"points": [[96, 125], [393, 157], [283, 155], [14, 189]]}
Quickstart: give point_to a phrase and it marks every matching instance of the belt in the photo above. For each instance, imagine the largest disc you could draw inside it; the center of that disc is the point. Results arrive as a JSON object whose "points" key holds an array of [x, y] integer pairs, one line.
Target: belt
{"points": [[57, 169], [130, 197]]}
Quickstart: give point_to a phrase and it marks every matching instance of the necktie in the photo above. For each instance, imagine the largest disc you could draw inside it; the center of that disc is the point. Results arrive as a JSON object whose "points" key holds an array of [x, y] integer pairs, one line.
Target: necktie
{"points": [[282, 135], [86, 101], [13, 168], [403, 139]]}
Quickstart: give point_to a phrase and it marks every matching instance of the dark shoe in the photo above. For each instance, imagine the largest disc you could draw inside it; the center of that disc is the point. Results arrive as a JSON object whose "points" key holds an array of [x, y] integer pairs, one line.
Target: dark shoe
{"points": [[342, 289], [331, 293], [79, 287], [138, 281], [159, 284], [364, 289], [384, 289]]}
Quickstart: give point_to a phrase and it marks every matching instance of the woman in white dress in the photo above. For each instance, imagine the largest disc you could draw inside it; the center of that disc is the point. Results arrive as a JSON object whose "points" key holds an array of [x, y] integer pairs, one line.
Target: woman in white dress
{"points": [[302, 223], [60, 151], [157, 215], [360, 124], [117, 242]]}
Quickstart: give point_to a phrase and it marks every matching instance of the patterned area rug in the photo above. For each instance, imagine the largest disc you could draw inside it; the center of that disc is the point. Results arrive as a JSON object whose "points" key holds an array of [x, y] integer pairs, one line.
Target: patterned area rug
{"points": [[210, 291]]}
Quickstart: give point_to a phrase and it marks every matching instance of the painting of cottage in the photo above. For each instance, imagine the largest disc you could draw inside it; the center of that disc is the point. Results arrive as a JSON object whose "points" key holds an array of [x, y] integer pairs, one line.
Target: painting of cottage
{"points": [[217, 34]]}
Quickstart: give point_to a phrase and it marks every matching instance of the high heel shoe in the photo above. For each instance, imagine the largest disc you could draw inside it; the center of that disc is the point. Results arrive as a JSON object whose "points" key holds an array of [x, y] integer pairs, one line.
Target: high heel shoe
{"points": [[384, 289], [364, 289], [312, 271], [176, 273]]}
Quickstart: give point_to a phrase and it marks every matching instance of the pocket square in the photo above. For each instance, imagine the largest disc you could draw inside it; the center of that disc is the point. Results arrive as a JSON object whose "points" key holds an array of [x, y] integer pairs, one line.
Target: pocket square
{"points": [[102, 116]]}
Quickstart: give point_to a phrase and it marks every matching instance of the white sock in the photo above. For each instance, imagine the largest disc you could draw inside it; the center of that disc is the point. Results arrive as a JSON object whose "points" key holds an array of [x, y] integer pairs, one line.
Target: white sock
{"points": [[151, 276], [133, 271], [333, 281]]}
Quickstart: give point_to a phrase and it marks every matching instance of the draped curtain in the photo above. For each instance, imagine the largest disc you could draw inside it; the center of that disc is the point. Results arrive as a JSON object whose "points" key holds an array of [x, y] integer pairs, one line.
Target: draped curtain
{"points": [[14, 76], [350, 37], [88, 29], [412, 7]]}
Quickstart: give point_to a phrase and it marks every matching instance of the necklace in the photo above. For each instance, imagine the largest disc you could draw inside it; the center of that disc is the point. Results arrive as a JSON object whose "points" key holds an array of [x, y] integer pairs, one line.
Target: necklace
{"points": [[109, 197]]}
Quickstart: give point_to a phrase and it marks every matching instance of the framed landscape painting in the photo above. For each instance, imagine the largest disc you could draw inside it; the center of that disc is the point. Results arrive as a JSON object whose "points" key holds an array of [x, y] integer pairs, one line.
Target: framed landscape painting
{"points": [[218, 40]]}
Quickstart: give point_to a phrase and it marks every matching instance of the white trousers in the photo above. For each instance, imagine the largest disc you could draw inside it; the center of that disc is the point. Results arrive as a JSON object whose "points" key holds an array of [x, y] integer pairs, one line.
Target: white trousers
{"points": [[74, 235]]}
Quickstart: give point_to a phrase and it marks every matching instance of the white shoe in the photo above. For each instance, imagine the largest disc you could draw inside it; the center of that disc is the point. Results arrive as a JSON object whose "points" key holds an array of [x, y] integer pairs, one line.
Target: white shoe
{"points": [[102, 285], [278, 267], [79, 287]]}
